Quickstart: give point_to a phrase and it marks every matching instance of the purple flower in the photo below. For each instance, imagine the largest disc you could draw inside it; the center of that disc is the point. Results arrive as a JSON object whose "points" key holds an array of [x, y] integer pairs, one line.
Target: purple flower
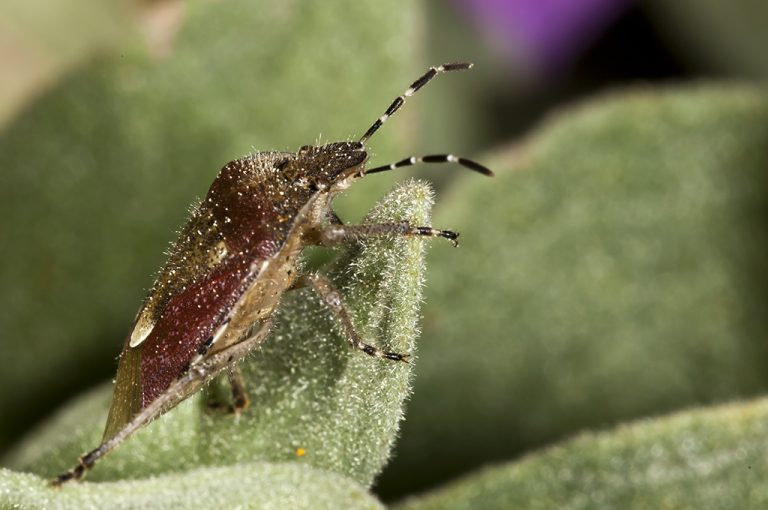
{"points": [[545, 34]]}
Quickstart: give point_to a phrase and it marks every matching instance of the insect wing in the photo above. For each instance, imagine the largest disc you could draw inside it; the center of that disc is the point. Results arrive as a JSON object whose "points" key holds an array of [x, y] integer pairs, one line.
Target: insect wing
{"points": [[215, 260], [188, 322], [126, 396]]}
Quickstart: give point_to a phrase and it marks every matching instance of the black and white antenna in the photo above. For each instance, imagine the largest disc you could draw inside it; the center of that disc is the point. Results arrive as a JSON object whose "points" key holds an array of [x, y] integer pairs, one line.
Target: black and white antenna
{"points": [[395, 106]]}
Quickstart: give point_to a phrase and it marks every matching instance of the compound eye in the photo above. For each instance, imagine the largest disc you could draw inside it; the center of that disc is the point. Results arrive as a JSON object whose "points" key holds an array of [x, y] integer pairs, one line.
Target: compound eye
{"points": [[305, 148]]}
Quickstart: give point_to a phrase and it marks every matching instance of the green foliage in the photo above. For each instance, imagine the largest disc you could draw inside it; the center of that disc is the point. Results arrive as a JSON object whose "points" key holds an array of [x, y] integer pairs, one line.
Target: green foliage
{"points": [[703, 459], [98, 172], [246, 486], [615, 269]]}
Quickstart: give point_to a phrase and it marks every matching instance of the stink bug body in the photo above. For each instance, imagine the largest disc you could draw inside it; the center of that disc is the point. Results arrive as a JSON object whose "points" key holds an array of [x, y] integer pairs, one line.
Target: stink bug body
{"points": [[212, 303]]}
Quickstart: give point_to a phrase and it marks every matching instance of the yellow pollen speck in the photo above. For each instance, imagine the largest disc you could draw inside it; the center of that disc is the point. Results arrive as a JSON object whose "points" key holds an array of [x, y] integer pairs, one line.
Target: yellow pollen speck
{"points": [[300, 452]]}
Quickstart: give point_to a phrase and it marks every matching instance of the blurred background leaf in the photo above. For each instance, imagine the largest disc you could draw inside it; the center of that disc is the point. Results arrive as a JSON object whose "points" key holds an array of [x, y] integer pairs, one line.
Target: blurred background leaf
{"points": [[613, 270], [702, 459], [716, 36], [38, 44]]}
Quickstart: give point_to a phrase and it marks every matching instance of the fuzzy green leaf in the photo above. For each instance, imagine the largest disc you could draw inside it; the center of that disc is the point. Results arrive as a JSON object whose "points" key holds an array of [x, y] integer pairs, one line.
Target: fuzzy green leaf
{"points": [[99, 171], [314, 400], [614, 269], [246, 486], [705, 459]]}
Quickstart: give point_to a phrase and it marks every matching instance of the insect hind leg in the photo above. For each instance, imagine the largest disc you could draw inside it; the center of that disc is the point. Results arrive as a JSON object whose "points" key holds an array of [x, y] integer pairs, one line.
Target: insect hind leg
{"points": [[198, 375], [240, 400], [332, 299], [84, 463]]}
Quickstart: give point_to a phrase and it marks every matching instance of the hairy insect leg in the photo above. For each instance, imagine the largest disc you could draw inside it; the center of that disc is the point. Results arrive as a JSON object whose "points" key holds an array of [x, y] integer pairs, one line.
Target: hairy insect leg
{"points": [[332, 298], [197, 376], [334, 218], [240, 401], [332, 235]]}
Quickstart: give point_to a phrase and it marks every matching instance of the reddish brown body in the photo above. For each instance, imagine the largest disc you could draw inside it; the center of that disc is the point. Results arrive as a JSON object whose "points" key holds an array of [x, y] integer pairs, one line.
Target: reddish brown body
{"points": [[235, 241], [188, 320]]}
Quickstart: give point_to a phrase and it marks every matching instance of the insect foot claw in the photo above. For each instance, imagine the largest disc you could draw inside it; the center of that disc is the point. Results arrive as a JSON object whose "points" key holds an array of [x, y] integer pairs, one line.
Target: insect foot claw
{"points": [[240, 405], [220, 407], [73, 474], [234, 409], [396, 356], [61, 479], [453, 237]]}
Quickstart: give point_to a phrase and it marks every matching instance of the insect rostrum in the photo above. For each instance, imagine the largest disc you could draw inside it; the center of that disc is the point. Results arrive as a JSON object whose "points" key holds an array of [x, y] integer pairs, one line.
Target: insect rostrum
{"points": [[238, 254]]}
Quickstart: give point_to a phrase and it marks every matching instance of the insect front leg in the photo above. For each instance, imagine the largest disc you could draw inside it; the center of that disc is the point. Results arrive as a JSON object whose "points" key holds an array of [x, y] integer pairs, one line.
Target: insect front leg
{"points": [[332, 298], [331, 235], [334, 218], [191, 381]]}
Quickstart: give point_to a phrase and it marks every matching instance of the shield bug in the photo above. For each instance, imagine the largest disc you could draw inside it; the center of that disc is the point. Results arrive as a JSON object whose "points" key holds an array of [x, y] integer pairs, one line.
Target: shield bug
{"points": [[212, 303]]}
